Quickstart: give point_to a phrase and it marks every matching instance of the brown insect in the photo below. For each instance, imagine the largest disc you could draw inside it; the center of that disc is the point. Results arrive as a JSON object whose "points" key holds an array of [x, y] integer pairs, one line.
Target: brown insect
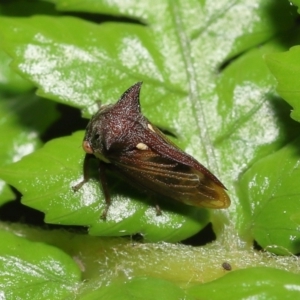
{"points": [[123, 139]]}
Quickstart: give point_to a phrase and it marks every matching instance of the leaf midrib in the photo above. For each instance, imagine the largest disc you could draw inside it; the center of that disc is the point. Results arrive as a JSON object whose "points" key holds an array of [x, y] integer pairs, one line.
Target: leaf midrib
{"points": [[193, 94]]}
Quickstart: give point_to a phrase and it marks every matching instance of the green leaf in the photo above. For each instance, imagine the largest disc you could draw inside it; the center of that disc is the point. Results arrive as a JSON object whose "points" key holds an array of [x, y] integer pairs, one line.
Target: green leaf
{"points": [[6, 194], [205, 81], [46, 178], [34, 270], [207, 13], [116, 262], [23, 119], [10, 81], [273, 199], [255, 121], [253, 283], [297, 3], [226, 118], [286, 68], [139, 288], [21, 8]]}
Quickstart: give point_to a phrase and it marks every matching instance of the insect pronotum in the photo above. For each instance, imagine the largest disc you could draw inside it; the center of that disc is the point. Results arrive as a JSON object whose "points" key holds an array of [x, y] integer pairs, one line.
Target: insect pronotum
{"points": [[127, 142]]}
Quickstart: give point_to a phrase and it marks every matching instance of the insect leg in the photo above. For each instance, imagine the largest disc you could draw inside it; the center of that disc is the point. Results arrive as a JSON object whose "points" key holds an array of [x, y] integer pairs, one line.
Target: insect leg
{"points": [[158, 210], [103, 181], [86, 176]]}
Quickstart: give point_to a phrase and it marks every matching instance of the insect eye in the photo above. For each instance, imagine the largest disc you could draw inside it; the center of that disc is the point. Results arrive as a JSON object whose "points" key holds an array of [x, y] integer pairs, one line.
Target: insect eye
{"points": [[96, 136]]}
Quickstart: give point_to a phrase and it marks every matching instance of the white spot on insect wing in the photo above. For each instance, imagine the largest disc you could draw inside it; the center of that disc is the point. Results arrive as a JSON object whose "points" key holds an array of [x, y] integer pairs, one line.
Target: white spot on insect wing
{"points": [[150, 127], [142, 146]]}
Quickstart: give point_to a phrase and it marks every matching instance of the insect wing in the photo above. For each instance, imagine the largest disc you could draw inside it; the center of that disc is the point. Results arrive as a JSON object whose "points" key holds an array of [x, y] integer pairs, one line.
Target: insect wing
{"points": [[164, 176]]}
